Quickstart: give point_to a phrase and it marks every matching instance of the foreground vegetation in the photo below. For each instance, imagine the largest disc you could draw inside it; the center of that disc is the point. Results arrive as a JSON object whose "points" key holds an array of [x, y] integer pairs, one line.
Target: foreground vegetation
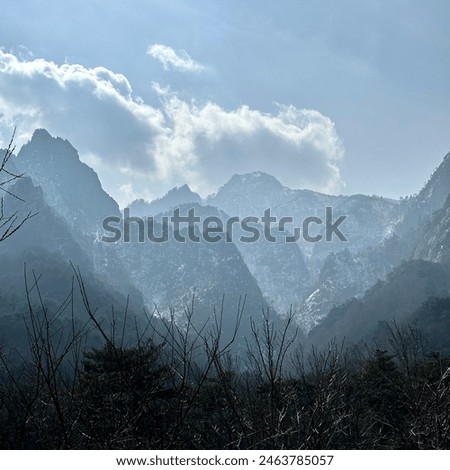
{"points": [[172, 387]]}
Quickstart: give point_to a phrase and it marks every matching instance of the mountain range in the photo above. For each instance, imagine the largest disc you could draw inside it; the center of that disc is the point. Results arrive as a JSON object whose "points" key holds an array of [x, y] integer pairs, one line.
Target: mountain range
{"points": [[395, 258]]}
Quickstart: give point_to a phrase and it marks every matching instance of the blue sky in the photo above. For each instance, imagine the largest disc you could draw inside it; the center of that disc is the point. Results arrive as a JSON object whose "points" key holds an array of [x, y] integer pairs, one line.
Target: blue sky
{"points": [[337, 96]]}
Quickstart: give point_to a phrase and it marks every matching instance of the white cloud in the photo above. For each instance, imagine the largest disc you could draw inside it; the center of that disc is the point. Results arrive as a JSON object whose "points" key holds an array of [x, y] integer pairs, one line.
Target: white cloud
{"points": [[207, 144], [142, 150], [174, 60], [94, 107]]}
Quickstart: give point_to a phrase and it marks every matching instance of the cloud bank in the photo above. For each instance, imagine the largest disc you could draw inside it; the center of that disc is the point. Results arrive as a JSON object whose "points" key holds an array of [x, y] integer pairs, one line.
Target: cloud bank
{"points": [[140, 150], [172, 60]]}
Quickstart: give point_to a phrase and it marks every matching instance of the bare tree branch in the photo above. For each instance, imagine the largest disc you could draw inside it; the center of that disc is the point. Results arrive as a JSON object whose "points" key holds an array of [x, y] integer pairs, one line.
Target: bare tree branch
{"points": [[10, 223]]}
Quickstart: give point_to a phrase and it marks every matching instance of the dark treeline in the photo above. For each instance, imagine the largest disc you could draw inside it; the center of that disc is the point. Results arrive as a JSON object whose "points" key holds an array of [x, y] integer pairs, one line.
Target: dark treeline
{"points": [[185, 387]]}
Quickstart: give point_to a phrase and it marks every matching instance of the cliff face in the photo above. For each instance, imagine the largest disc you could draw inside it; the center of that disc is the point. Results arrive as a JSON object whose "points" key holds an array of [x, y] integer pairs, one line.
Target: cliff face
{"points": [[434, 244]]}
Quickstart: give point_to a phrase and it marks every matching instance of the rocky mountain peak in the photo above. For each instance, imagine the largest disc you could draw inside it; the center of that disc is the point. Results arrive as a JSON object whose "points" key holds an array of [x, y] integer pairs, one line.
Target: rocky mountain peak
{"points": [[70, 186], [255, 180], [175, 197]]}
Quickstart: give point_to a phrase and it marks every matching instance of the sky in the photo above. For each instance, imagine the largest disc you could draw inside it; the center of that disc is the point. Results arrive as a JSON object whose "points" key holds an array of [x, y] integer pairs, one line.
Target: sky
{"points": [[338, 96]]}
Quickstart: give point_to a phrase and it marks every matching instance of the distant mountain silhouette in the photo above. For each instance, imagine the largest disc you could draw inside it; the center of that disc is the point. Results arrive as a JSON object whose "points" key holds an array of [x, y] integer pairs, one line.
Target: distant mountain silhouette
{"points": [[174, 198]]}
